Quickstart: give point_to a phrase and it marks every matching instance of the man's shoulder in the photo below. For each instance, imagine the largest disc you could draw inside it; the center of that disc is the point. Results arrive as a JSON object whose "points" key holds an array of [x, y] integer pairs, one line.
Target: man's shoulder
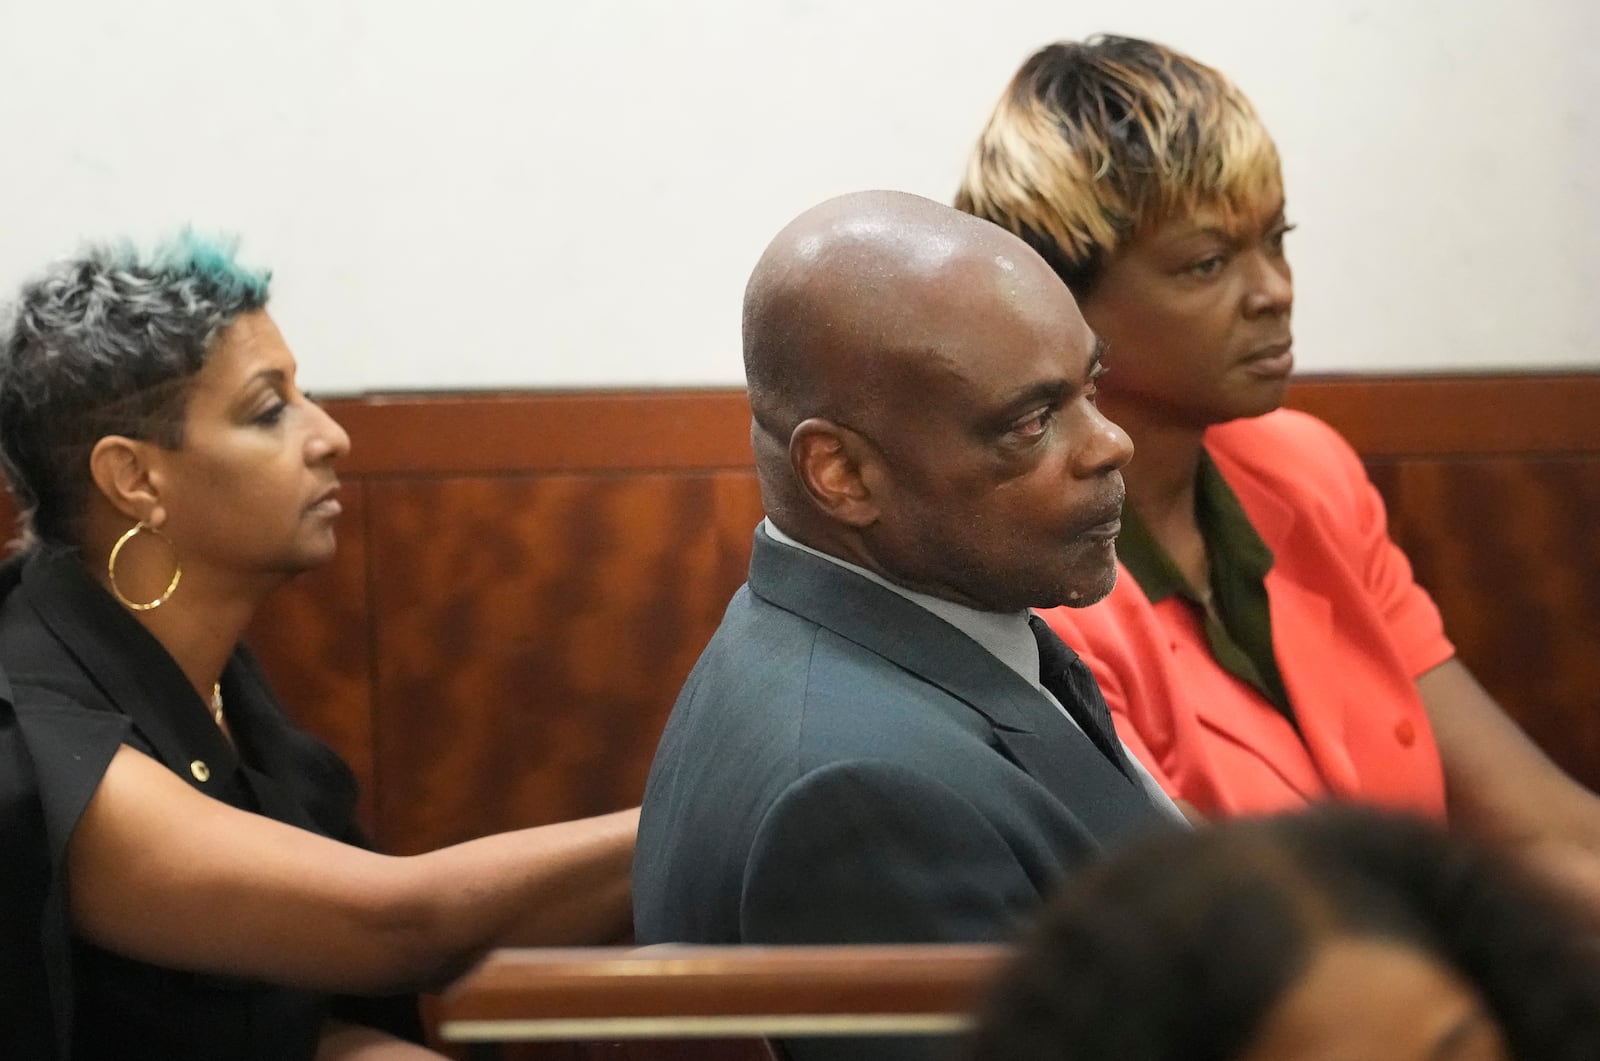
{"points": [[795, 695], [757, 644], [777, 704], [764, 658]]}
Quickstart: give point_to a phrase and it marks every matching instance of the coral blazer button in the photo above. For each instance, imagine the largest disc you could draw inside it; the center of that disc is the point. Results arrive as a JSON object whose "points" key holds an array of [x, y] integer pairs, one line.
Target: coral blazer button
{"points": [[1405, 733], [201, 772]]}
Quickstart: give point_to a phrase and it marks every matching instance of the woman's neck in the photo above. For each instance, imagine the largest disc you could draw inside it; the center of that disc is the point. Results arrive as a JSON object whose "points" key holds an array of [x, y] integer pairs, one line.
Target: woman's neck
{"points": [[199, 630], [1161, 477], [1161, 482], [199, 624]]}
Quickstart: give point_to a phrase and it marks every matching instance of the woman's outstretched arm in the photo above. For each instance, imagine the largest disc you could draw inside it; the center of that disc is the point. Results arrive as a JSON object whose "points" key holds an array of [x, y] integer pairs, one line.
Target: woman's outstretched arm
{"points": [[1504, 790], [161, 873]]}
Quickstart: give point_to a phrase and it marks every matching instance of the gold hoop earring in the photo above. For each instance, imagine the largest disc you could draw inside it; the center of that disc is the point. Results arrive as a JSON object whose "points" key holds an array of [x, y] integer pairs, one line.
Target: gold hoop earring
{"points": [[111, 569]]}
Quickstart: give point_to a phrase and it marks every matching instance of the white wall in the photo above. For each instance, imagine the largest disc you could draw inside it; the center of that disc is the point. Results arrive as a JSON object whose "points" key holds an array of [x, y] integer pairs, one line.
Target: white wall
{"points": [[477, 194]]}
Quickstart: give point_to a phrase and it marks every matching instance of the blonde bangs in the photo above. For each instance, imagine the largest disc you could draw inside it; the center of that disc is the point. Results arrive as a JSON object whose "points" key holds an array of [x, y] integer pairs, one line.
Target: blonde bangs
{"points": [[1228, 164], [1086, 147], [1025, 178]]}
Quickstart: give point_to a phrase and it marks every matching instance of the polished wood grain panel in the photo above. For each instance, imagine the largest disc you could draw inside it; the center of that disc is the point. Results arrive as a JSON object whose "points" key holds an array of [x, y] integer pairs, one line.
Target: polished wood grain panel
{"points": [[592, 431], [1478, 415], [1507, 547], [709, 429], [532, 633]]}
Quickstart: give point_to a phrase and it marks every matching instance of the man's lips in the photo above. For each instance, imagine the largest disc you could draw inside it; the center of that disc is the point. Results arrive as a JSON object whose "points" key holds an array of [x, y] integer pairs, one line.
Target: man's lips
{"points": [[1107, 522], [1103, 531]]}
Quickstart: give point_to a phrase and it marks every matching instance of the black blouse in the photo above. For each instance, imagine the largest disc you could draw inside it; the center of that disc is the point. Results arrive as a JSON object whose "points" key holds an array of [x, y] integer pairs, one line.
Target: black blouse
{"points": [[85, 676]]}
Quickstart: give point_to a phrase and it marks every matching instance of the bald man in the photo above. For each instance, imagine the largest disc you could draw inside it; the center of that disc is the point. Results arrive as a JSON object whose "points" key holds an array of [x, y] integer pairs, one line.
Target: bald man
{"points": [[878, 745]]}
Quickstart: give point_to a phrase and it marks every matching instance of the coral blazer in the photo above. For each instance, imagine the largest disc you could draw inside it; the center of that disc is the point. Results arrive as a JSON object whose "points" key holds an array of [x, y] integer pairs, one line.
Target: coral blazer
{"points": [[1351, 631]]}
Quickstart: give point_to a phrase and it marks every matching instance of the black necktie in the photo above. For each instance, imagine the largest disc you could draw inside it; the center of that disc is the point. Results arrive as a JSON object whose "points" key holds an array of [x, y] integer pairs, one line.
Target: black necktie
{"points": [[1069, 681]]}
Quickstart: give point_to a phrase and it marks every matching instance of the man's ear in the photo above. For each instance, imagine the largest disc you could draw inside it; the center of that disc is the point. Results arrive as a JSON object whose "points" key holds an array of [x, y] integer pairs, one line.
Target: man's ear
{"points": [[121, 470], [830, 463]]}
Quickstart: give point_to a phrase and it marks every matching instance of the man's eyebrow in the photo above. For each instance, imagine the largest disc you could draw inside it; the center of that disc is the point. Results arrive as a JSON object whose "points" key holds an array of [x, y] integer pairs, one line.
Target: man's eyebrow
{"points": [[1049, 392], [1042, 393]]}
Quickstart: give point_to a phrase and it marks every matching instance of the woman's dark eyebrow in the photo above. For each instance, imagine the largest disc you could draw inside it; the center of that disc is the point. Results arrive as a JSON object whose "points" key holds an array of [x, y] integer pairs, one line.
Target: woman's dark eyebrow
{"points": [[250, 390], [1274, 219]]}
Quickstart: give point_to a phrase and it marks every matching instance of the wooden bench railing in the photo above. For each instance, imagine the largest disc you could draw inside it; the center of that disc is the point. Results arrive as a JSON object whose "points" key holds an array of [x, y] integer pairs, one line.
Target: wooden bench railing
{"points": [[701, 992]]}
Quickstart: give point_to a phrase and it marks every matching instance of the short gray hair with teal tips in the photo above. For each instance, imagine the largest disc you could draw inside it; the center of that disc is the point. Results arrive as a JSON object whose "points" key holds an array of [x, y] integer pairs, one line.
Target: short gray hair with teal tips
{"points": [[108, 343]]}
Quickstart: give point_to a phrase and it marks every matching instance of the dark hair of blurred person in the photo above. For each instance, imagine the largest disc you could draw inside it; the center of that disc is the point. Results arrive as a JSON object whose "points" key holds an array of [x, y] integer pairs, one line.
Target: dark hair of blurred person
{"points": [[1338, 933]]}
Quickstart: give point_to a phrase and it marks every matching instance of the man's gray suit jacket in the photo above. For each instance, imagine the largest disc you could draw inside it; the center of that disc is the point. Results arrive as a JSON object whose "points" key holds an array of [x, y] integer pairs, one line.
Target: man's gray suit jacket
{"points": [[844, 766]]}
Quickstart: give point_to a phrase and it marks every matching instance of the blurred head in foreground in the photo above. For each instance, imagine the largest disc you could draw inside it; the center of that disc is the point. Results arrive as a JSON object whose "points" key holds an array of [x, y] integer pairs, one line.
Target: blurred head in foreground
{"points": [[1338, 934]]}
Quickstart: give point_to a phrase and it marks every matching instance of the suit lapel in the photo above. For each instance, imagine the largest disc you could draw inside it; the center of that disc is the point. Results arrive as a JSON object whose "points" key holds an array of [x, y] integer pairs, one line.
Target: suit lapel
{"points": [[1028, 728]]}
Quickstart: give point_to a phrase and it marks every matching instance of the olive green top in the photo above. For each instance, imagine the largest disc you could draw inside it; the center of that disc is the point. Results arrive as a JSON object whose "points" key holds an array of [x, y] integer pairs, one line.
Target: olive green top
{"points": [[1238, 621]]}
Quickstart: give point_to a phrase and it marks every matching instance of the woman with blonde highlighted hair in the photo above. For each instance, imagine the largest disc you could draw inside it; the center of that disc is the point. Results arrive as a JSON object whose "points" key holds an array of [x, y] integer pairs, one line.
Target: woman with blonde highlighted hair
{"points": [[1266, 645], [183, 876]]}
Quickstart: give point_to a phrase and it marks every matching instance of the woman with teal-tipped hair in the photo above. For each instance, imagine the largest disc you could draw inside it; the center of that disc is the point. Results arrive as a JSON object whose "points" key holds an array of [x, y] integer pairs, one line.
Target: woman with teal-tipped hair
{"points": [[182, 876]]}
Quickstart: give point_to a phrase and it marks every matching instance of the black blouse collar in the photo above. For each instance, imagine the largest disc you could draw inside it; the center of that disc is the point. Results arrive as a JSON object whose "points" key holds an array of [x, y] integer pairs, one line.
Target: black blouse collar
{"points": [[130, 668]]}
